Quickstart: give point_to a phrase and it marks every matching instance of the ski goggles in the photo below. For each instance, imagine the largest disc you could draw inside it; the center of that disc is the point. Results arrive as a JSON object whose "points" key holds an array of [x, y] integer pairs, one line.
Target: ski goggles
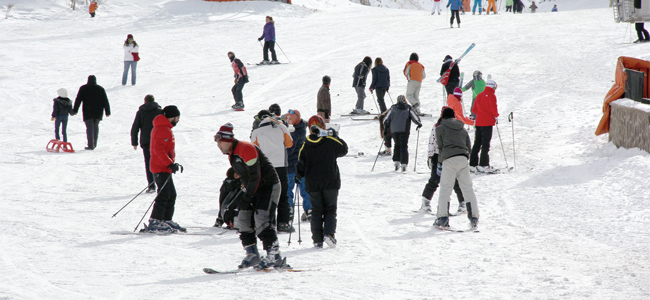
{"points": [[223, 136]]}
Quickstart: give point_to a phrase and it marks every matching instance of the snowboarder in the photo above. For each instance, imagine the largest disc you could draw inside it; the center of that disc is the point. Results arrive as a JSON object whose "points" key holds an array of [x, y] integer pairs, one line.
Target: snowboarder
{"points": [[298, 134], [491, 6], [324, 100], [478, 3], [143, 124], [487, 114], [92, 8], [230, 195], [241, 78], [61, 110], [274, 138], [268, 35], [456, 5], [398, 120], [454, 144], [131, 58], [414, 72], [317, 165], [380, 82], [454, 75], [95, 103], [509, 4], [454, 101], [477, 84], [436, 7], [533, 8], [641, 33], [163, 164], [359, 84], [261, 187]]}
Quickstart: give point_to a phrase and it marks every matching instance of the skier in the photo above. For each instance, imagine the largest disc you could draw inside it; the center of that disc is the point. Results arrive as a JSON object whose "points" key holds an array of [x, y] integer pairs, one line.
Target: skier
{"points": [[95, 103], [491, 6], [518, 7], [554, 9], [454, 101], [533, 8], [276, 112], [92, 8], [414, 72], [131, 58], [478, 3], [398, 120], [230, 195], [454, 75], [434, 180], [60, 111], [241, 78], [456, 5], [487, 114], [477, 84], [436, 7], [324, 101], [454, 144], [298, 134], [143, 123], [317, 165], [465, 6], [380, 82], [163, 165], [641, 33], [261, 188], [268, 35], [274, 139], [359, 84], [509, 4]]}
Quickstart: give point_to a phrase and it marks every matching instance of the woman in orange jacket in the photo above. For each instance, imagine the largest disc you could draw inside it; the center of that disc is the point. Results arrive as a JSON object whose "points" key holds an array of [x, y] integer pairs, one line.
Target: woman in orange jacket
{"points": [[92, 8], [455, 102]]}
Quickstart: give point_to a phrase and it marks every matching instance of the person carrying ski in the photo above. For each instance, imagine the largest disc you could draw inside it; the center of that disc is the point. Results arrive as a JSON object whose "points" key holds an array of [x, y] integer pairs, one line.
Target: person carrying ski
{"points": [[273, 138], [163, 165], [477, 84], [399, 120], [92, 8], [487, 115], [261, 187], [436, 7], [143, 124], [359, 84], [324, 100], [478, 3], [268, 35], [95, 103], [414, 72], [317, 166], [298, 135], [491, 6], [456, 5], [454, 75], [230, 195], [454, 144], [454, 101], [380, 82], [241, 78], [60, 111]]}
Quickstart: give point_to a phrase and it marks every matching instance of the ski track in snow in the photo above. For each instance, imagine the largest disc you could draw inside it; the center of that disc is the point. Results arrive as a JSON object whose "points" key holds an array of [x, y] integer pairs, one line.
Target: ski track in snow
{"points": [[569, 223]]}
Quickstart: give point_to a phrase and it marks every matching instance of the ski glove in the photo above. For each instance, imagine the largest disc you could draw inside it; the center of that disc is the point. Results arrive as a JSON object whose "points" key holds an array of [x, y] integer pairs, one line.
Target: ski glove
{"points": [[260, 39], [331, 132], [496, 120], [419, 126], [175, 167]]}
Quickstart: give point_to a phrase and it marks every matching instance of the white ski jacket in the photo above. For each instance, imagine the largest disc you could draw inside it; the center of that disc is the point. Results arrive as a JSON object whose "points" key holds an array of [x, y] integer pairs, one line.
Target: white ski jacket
{"points": [[274, 139], [129, 50]]}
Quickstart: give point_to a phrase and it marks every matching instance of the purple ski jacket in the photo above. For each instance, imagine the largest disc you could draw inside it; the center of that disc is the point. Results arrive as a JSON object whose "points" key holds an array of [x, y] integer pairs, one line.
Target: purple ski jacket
{"points": [[269, 32]]}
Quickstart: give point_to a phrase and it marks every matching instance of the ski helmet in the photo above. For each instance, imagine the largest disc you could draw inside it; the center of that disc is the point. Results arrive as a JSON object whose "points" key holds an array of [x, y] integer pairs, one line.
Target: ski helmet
{"points": [[478, 74], [275, 109], [317, 121]]}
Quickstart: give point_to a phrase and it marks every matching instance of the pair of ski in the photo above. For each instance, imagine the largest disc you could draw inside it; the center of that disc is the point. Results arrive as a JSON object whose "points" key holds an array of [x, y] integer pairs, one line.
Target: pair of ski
{"points": [[495, 171], [452, 229], [219, 231], [284, 268]]}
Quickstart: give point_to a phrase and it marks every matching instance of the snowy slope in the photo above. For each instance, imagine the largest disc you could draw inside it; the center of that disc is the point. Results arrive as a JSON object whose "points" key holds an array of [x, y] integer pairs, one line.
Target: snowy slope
{"points": [[571, 222]]}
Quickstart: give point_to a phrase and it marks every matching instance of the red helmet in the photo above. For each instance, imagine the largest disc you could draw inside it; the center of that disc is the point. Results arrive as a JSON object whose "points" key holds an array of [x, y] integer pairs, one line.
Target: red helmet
{"points": [[316, 120]]}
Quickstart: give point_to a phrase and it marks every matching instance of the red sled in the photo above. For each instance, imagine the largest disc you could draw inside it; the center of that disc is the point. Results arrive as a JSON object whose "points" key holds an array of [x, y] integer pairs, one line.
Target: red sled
{"points": [[57, 146]]}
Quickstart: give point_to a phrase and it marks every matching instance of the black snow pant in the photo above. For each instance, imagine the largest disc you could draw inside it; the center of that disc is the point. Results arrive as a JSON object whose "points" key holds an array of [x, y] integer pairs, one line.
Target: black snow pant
{"points": [[381, 92], [451, 85], [401, 149], [641, 32], [163, 208], [454, 13], [269, 46], [284, 209], [508, 8], [434, 182], [92, 132], [237, 92], [147, 159], [323, 214], [259, 217], [482, 139]]}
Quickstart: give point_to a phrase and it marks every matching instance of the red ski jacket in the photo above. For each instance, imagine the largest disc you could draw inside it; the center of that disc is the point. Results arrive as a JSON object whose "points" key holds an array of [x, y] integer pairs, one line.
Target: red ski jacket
{"points": [[162, 145], [485, 108]]}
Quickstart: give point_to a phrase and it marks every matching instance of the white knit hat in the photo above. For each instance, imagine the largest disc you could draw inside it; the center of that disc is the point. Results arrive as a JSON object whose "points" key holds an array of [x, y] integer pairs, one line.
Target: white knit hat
{"points": [[491, 83], [63, 93]]}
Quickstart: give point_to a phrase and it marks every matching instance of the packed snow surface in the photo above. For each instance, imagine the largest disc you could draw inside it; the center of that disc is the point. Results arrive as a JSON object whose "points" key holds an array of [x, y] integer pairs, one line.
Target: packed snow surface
{"points": [[570, 222]]}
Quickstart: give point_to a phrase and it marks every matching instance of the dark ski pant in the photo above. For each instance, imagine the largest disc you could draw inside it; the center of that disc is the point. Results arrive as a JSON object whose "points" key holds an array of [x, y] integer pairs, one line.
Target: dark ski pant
{"points": [[61, 121], [259, 219], [401, 150], [237, 92], [147, 159], [451, 85], [284, 210], [641, 32], [269, 46], [482, 139], [508, 8], [92, 132], [323, 214], [434, 182], [163, 207], [381, 92], [454, 13], [92, 15]]}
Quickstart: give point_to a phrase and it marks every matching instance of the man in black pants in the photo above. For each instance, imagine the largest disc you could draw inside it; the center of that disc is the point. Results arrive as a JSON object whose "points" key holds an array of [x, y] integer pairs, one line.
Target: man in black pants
{"points": [[641, 33], [95, 102], [317, 165], [398, 121], [485, 108], [454, 74], [143, 123]]}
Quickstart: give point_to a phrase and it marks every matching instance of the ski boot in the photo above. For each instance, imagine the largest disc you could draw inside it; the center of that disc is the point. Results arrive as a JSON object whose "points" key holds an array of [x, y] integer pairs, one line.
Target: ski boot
{"points": [[442, 222], [275, 62], [264, 62], [158, 226], [285, 227], [252, 258], [397, 165], [273, 258], [462, 208], [330, 240], [473, 223], [175, 225], [306, 216], [426, 205], [404, 168]]}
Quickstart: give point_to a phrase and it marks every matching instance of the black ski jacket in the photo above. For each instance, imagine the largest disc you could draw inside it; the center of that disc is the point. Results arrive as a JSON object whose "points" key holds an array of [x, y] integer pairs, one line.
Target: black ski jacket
{"points": [[144, 122], [454, 75], [94, 100], [253, 166], [317, 162]]}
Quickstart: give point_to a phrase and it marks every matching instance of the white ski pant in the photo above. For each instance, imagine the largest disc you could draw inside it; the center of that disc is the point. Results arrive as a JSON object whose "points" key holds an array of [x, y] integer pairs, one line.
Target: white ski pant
{"points": [[436, 7], [453, 168], [413, 92]]}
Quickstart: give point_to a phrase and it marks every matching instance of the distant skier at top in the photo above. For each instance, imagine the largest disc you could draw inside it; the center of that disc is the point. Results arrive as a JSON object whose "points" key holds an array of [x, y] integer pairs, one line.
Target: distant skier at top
{"points": [[436, 7], [478, 3], [491, 6], [241, 78], [533, 7], [456, 5], [92, 8], [268, 35], [554, 9]]}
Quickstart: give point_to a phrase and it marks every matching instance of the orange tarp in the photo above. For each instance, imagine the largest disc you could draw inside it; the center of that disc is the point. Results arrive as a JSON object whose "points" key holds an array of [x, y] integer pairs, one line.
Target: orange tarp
{"points": [[618, 89]]}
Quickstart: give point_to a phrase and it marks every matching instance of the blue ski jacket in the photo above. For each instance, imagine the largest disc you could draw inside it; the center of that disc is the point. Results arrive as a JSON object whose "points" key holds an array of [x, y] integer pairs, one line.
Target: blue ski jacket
{"points": [[455, 4]]}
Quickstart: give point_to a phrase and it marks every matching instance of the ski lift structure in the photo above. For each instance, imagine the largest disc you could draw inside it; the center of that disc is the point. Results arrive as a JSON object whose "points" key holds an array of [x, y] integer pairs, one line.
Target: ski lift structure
{"points": [[631, 11]]}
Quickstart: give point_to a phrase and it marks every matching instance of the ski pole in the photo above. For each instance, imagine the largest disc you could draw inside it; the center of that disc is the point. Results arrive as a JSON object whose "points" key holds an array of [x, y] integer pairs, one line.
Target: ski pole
{"points": [[511, 119], [377, 106], [504, 149], [303, 209], [295, 204], [152, 202], [391, 98], [285, 55], [417, 144], [381, 145], [136, 196]]}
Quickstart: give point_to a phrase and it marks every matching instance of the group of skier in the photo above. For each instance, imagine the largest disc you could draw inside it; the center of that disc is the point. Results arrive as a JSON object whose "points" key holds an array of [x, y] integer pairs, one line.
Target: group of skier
{"points": [[458, 7]]}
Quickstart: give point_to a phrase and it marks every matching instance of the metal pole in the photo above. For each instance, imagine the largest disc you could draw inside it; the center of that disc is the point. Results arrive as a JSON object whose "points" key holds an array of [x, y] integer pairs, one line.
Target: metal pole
{"points": [[285, 55], [295, 205], [152, 202], [381, 145], [379, 112], [391, 98], [504, 149], [417, 144], [511, 119], [136, 196]]}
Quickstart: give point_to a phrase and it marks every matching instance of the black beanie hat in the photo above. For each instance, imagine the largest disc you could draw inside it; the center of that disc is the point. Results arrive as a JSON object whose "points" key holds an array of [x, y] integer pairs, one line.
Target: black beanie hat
{"points": [[448, 113], [171, 111], [414, 56], [275, 109]]}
